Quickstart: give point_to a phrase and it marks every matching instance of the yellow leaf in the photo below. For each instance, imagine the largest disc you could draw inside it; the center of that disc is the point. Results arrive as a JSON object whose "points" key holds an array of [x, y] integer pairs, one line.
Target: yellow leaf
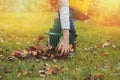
{"points": [[19, 74]]}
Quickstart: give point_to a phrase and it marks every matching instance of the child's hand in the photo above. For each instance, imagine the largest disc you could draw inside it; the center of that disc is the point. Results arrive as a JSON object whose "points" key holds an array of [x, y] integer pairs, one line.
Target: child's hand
{"points": [[64, 46]]}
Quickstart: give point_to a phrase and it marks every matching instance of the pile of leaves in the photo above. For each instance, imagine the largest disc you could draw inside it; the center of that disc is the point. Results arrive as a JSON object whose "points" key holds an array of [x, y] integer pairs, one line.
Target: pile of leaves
{"points": [[40, 52]]}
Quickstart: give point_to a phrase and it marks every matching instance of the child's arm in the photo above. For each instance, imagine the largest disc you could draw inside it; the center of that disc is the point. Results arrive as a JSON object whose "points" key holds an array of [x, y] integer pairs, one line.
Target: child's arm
{"points": [[65, 23], [64, 46], [64, 14]]}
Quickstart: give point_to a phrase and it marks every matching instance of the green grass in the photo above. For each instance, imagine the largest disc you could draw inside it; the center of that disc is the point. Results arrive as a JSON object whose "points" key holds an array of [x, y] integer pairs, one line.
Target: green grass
{"points": [[24, 30]]}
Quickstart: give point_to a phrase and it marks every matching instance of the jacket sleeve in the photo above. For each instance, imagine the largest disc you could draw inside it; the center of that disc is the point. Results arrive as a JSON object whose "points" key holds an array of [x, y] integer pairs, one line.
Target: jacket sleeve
{"points": [[64, 14]]}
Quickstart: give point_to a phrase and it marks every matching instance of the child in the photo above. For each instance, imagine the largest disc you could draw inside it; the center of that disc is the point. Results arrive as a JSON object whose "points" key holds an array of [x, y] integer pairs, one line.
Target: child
{"points": [[63, 14]]}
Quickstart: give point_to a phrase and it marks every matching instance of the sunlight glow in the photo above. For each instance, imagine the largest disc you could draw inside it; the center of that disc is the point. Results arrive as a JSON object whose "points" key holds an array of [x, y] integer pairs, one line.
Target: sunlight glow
{"points": [[101, 11], [105, 11]]}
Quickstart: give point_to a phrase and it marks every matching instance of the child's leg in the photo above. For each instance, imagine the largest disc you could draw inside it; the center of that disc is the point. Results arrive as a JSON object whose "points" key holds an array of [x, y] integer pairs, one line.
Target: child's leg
{"points": [[72, 31], [71, 21]]}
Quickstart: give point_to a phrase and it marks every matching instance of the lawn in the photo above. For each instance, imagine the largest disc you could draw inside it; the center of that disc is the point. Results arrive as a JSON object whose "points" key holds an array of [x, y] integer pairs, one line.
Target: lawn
{"points": [[97, 56]]}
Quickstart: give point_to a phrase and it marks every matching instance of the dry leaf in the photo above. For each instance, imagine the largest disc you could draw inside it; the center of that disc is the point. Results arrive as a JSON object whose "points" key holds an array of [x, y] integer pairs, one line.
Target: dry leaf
{"points": [[10, 58], [1, 50], [106, 53], [2, 57], [41, 37], [44, 58], [18, 43], [8, 71], [98, 76], [95, 52], [55, 61], [25, 72], [56, 69], [34, 53], [42, 73], [17, 54], [86, 49], [19, 74], [2, 67], [1, 77], [114, 46], [107, 43], [1, 40], [37, 60], [71, 48], [48, 70]]}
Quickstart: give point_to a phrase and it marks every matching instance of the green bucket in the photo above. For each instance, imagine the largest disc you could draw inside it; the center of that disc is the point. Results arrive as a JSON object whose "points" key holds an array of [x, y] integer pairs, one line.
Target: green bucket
{"points": [[56, 33]]}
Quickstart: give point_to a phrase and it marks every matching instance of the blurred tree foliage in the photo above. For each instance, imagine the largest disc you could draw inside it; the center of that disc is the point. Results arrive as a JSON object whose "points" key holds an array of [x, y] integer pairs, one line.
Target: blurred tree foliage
{"points": [[106, 12], [20, 5]]}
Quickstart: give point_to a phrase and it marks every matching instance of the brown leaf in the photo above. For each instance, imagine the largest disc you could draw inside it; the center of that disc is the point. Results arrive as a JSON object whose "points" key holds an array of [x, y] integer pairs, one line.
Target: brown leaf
{"points": [[71, 48], [97, 76], [32, 48], [44, 58], [42, 73], [8, 71], [1, 77], [10, 58], [1, 50], [52, 56], [34, 53], [16, 54], [49, 71], [56, 69], [38, 60], [2, 67], [40, 37]]}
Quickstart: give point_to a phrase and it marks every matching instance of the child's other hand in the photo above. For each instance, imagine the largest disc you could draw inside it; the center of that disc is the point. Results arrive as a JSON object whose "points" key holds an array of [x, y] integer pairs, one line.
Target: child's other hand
{"points": [[64, 46]]}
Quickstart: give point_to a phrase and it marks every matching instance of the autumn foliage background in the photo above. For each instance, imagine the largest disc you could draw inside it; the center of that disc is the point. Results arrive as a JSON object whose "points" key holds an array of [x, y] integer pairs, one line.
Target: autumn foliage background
{"points": [[98, 42], [100, 11]]}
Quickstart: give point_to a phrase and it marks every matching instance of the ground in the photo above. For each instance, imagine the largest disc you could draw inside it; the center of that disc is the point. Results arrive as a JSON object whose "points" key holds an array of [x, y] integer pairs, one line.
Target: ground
{"points": [[97, 55]]}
